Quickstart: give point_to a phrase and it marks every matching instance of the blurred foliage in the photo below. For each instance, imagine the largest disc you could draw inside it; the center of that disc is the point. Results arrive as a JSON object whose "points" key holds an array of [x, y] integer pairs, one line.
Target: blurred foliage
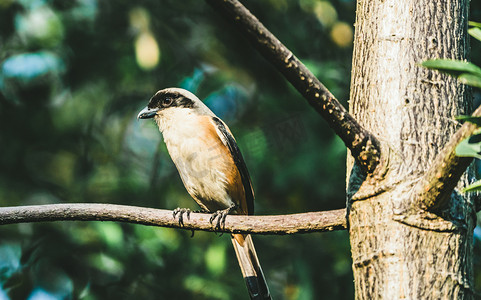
{"points": [[73, 76]]}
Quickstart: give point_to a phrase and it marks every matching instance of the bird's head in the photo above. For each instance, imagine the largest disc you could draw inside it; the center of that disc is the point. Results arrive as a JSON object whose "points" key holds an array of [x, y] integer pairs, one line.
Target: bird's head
{"points": [[170, 100]]}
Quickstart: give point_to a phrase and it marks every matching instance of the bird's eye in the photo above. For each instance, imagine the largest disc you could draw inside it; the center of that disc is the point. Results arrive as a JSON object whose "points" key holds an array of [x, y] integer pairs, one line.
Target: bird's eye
{"points": [[167, 101]]}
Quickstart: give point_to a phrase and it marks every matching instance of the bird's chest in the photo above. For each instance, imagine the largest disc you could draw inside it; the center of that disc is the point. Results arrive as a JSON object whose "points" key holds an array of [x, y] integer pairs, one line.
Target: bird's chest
{"points": [[196, 160], [202, 165]]}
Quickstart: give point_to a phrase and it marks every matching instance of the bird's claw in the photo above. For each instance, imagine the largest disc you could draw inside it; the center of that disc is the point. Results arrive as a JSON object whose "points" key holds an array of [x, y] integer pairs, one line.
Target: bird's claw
{"points": [[220, 215], [181, 212]]}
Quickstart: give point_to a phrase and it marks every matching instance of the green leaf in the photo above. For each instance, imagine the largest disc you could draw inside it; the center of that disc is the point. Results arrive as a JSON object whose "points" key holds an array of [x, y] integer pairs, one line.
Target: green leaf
{"points": [[452, 66], [475, 24], [475, 32], [470, 79], [470, 147], [471, 119], [476, 186]]}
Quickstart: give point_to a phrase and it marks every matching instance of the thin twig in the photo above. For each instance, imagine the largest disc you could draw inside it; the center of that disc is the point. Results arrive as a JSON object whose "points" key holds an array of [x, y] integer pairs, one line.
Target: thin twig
{"points": [[278, 225], [434, 189], [363, 145]]}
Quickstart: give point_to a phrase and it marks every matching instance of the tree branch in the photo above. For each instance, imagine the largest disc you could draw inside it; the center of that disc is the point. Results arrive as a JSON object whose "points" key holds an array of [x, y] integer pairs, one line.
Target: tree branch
{"points": [[433, 191], [279, 225], [363, 145]]}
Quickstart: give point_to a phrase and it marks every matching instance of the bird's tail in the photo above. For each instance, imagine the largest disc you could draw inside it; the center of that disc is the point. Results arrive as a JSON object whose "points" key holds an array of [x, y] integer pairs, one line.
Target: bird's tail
{"points": [[250, 267]]}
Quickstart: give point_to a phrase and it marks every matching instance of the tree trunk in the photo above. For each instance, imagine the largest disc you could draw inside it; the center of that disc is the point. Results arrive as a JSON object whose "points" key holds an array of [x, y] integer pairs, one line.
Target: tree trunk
{"points": [[411, 110]]}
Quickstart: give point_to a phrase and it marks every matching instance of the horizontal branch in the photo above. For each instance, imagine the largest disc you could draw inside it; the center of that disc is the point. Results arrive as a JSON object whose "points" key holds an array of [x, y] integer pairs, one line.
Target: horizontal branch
{"points": [[433, 191], [279, 225], [363, 145]]}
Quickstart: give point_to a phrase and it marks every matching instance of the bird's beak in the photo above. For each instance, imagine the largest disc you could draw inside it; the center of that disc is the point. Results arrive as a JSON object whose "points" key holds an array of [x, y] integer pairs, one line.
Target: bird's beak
{"points": [[147, 113]]}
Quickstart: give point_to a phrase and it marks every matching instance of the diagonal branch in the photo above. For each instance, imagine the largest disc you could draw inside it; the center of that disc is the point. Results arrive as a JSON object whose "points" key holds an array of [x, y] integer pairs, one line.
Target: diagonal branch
{"points": [[279, 225], [363, 145], [433, 191]]}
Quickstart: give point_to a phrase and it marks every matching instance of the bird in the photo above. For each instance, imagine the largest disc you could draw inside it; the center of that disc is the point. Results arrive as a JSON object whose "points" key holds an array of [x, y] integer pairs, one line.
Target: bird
{"points": [[212, 170]]}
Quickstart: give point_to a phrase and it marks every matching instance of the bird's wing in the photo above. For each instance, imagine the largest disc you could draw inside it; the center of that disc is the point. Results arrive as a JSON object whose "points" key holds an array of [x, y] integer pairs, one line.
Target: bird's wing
{"points": [[228, 140]]}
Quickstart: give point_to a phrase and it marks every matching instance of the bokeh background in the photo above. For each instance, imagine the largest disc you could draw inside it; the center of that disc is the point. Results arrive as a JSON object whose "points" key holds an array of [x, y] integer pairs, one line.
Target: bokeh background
{"points": [[73, 76]]}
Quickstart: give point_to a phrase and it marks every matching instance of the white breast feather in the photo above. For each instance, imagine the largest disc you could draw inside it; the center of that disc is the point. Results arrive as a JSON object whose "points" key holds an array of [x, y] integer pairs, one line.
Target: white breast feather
{"points": [[199, 163]]}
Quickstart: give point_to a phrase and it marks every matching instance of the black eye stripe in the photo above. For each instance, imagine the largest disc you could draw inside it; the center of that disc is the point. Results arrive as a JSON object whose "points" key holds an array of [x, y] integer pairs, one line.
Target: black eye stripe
{"points": [[185, 102], [170, 99]]}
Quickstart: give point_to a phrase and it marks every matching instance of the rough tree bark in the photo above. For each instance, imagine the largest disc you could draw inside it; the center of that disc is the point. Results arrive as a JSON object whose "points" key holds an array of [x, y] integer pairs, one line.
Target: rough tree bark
{"points": [[399, 251]]}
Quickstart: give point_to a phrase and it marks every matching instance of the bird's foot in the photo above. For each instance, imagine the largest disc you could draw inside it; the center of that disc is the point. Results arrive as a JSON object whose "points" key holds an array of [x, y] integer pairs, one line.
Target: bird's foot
{"points": [[181, 212], [220, 215]]}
